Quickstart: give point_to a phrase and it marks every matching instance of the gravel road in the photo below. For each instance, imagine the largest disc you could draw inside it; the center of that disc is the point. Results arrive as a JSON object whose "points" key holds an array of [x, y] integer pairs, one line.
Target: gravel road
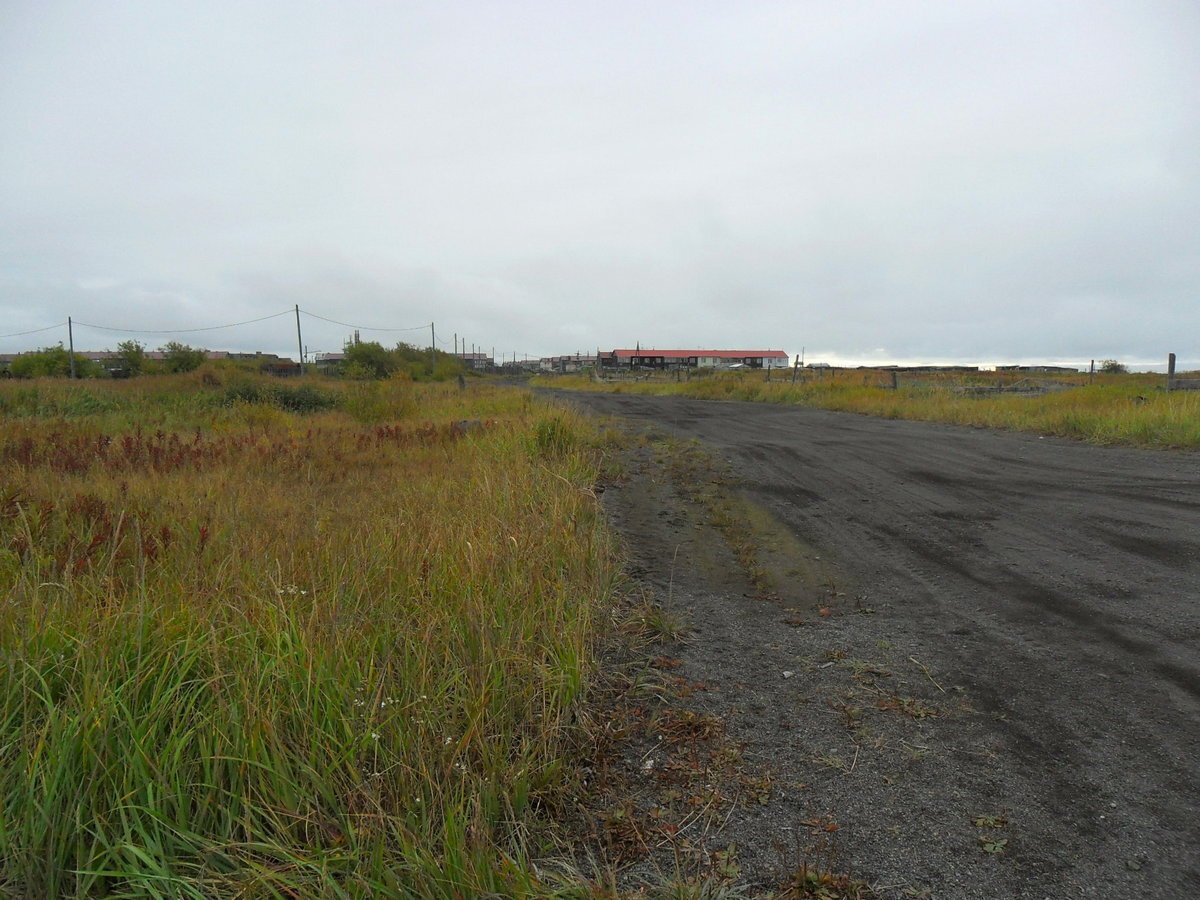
{"points": [[1051, 588]]}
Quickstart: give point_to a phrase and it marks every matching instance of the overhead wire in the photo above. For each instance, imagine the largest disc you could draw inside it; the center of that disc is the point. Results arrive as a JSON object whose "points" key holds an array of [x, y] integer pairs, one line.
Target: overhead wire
{"points": [[277, 315], [361, 327], [286, 312], [34, 330]]}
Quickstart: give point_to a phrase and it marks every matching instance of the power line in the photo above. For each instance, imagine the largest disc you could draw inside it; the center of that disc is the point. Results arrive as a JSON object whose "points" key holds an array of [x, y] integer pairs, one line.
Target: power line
{"points": [[361, 327], [277, 315], [183, 330], [33, 331]]}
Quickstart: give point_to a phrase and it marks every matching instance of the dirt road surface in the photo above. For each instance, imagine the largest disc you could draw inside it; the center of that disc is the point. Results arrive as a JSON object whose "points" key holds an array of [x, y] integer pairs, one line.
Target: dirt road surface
{"points": [[983, 662]]}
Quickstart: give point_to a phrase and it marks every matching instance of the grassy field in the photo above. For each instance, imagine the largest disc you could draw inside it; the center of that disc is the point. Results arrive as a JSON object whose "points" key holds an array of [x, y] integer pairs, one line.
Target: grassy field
{"points": [[313, 640], [1107, 409]]}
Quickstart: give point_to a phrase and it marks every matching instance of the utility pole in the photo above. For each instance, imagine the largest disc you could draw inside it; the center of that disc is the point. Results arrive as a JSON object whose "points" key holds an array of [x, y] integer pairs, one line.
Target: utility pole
{"points": [[432, 348], [71, 344], [299, 339], [456, 343]]}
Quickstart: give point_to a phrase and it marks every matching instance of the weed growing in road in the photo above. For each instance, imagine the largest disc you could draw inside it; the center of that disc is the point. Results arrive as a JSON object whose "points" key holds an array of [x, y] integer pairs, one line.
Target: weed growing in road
{"points": [[990, 841], [817, 877]]}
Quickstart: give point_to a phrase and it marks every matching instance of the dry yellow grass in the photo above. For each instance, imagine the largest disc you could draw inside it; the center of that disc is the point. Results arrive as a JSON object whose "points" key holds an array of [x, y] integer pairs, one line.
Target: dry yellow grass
{"points": [[251, 652], [1107, 409]]}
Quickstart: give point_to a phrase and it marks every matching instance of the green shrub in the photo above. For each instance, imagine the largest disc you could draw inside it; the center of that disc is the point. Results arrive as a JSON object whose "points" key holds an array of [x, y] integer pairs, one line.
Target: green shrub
{"points": [[244, 392], [302, 399], [52, 362], [181, 357], [553, 437]]}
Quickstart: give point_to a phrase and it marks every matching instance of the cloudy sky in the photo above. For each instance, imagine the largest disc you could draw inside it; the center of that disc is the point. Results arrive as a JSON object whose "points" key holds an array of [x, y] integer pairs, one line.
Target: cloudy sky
{"points": [[882, 181]]}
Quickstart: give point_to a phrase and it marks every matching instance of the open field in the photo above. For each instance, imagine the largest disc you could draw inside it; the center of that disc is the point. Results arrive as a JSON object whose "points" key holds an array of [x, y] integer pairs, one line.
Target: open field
{"points": [[1133, 410], [324, 639], [290, 640]]}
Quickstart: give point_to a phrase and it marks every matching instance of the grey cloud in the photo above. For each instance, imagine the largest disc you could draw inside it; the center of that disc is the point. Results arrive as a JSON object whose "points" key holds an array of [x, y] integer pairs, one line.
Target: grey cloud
{"points": [[976, 180]]}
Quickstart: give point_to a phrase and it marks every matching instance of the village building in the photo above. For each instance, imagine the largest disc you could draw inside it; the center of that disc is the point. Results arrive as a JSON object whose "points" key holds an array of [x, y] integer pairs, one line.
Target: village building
{"points": [[522, 366], [694, 359], [1046, 370], [477, 362], [574, 362]]}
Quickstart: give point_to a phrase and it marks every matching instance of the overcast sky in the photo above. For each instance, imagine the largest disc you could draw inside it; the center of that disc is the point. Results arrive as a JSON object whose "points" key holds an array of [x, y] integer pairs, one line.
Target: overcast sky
{"points": [[890, 181]]}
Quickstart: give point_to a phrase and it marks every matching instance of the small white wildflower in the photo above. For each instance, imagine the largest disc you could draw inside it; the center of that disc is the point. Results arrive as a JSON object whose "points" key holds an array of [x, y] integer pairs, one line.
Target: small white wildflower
{"points": [[374, 735], [446, 743]]}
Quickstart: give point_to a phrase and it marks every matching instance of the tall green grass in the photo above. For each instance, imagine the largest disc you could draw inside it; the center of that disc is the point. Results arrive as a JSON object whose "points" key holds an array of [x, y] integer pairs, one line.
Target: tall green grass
{"points": [[274, 654], [1110, 409]]}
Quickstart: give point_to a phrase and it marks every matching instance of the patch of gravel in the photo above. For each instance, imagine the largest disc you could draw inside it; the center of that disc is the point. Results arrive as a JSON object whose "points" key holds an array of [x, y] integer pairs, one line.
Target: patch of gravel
{"points": [[845, 746]]}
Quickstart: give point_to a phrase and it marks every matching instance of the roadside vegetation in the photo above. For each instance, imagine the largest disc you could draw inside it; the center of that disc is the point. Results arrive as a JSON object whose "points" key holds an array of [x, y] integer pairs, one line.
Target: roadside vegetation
{"points": [[1108, 408], [365, 360], [306, 639], [131, 359], [361, 361]]}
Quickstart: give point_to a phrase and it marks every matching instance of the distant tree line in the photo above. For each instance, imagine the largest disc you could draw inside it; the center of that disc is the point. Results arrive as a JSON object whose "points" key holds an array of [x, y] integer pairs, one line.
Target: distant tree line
{"points": [[362, 361], [130, 359], [368, 360]]}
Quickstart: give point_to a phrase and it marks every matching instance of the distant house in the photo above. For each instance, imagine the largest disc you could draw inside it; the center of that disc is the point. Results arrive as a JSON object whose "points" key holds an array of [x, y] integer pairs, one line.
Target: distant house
{"points": [[283, 368], [268, 363], [693, 359], [919, 369], [1061, 370], [522, 366], [571, 363], [477, 362], [329, 363]]}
